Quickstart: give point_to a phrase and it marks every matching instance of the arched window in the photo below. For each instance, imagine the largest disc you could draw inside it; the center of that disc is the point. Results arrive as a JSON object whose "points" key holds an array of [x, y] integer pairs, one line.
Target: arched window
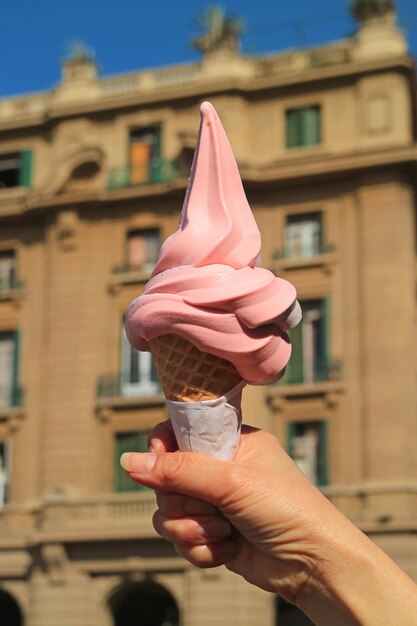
{"points": [[144, 603], [9, 610]]}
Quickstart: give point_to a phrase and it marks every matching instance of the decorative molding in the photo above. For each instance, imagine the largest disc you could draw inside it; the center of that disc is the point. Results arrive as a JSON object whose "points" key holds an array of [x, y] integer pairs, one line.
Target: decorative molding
{"points": [[56, 561], [67, 230]]}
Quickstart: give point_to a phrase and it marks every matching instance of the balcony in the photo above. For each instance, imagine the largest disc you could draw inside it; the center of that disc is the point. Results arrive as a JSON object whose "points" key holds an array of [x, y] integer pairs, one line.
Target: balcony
{"points": [[10, 287], [115, 390], [316, 372], [10, 398], [127, 274], [157, 171], [103, 515], [322, 254]]}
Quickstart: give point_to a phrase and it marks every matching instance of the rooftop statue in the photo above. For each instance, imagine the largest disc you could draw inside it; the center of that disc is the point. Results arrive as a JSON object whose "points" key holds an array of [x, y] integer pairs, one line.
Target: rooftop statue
{"points": [[364, 10], [219, 31]]}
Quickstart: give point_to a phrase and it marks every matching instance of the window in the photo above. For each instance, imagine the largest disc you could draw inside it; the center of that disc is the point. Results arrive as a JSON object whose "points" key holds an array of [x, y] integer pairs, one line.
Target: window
{"points": [[303, 127], [303, 235], [5, 466], [309, 358], [9, 395], [16, 169], [138, 372], [145, 155], [136, 441], [307, 446], [143, 249], [7, 270]]}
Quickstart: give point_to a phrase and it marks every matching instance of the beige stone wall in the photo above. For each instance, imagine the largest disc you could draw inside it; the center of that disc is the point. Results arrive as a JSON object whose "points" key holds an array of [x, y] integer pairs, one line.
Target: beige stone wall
{"points": [[67, 542]]}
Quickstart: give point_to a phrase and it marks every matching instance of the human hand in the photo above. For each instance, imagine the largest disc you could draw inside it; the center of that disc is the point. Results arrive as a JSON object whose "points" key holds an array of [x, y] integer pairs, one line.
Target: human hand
{"points": [[261, 518], [257, 515]]}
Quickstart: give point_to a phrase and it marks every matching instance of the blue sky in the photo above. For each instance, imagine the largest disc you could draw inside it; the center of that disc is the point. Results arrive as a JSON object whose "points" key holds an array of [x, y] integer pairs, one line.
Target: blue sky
{"points": [[129, 35]]}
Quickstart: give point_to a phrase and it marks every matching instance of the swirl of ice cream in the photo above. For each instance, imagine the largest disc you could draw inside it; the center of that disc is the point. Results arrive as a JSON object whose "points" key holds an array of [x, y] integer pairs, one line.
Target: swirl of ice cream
{"points": [[206, 286]]}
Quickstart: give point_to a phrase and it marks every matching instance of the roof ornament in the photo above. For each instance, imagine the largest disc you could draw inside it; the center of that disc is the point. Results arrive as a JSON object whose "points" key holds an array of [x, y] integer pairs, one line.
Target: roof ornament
{"points": [[220, 32], [364, 10]]}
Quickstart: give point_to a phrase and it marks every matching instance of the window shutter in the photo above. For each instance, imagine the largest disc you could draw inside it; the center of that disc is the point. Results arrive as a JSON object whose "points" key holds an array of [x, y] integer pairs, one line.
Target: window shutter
{"points": [[325, 311], [291, 432], [25, 176], [323, 478], [310, 126], [295, 366], [16, 399], [291, 129]]}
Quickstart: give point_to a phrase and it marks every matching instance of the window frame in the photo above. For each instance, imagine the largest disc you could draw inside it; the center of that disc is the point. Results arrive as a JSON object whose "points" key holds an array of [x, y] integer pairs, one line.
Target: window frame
{"points": [[298, 127], [323, 456]]}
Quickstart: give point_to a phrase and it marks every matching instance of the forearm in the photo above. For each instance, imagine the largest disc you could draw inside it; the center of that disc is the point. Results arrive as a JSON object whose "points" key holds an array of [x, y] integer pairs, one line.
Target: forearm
{"points": [[357, 584]]}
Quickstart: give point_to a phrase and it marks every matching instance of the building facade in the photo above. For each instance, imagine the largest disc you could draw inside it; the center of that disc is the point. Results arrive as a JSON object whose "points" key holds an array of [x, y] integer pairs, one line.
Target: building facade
{"points": [[92, 178]]}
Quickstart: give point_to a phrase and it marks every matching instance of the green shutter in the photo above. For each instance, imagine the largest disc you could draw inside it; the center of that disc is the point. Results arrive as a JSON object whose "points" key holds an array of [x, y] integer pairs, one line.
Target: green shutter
{"points": [[291, 432], [325, 311], [25, 175], [323, 477], [16, 399], [128, 442], [294, 373], [292, 129], [310, 126]]}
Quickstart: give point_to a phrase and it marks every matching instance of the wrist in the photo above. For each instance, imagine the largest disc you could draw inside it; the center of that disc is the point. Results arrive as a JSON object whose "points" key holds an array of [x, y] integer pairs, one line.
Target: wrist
{"points": [[356, 584]]}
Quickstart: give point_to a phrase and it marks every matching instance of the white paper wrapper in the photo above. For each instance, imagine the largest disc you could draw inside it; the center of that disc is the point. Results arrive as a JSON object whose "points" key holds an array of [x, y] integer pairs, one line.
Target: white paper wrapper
{"points": [[210, 427]]}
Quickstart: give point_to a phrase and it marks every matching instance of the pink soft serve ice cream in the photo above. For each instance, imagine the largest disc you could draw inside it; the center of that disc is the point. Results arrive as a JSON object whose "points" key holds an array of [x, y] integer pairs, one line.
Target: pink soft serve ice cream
{"points": [[206, 286]]}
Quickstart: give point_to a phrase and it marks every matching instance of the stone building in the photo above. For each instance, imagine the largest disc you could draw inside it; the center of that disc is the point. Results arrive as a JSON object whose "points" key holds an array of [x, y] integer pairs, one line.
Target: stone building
{"points": [[92, 178]]}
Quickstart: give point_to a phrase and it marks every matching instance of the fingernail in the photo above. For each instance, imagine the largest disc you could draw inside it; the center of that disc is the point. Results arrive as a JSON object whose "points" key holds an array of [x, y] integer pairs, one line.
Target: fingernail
{"points": [[140, 463]]}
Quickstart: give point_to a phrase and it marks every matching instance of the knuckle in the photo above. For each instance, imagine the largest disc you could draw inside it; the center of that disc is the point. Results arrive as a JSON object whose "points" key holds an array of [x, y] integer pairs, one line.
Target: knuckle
{"points": [[169, 468]]}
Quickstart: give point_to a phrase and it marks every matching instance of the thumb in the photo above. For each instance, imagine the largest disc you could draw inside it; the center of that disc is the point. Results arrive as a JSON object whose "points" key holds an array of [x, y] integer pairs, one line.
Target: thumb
{"points": [[191, 474]]}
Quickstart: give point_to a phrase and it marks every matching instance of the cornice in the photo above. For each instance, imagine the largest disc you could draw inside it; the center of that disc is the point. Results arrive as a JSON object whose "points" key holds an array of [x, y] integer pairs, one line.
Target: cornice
{"points": [[308, 167]]}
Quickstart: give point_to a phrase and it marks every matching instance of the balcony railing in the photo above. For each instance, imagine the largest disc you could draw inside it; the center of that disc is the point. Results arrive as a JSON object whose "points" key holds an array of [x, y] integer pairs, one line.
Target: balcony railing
{"points": [[101, 511], [126, 268], [319, 372], [11, 397], [157, 171], [304, 253], [118, 386], [10, 283]]}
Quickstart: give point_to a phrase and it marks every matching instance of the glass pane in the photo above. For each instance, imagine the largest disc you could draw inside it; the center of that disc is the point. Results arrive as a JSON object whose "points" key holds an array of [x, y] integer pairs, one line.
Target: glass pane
{"points": [[313, 334], [307, 447], [7, 366], [143, 248], [310, 122], [7, 269], [303, 234]]}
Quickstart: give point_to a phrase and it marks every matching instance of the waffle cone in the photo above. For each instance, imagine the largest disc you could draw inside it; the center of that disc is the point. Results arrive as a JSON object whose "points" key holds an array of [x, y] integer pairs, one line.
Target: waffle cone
{"points": [[188, 375]]}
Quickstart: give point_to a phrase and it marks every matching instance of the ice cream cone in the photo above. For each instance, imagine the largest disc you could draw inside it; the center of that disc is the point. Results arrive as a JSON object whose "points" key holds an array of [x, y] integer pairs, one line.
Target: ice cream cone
{"points": [[203, 394], [188, 375]]}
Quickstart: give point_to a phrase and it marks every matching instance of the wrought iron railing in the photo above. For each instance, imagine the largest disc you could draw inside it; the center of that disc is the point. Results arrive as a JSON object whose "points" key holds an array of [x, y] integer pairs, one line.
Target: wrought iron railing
{"points": [[320, 371], [305, 253], [10, 283], [11, 397], [156, 171], [119, 386], [126, 268]]}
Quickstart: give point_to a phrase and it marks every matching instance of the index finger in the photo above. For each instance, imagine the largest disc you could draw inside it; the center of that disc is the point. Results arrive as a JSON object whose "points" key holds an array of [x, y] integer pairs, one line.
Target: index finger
{"points": [[162, 438]]}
